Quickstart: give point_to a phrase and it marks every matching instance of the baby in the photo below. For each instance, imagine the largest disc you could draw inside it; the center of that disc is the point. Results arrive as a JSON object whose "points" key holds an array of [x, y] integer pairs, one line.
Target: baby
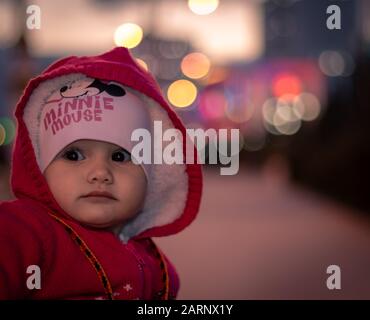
{"points": [[86, 208]]}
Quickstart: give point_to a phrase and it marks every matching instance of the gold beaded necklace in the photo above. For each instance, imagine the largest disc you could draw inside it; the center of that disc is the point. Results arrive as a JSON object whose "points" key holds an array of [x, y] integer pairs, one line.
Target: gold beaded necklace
{"points": [[162, 295]]}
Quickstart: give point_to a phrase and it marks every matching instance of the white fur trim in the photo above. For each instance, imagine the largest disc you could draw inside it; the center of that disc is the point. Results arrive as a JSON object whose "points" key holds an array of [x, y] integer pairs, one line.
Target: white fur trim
{"points": [[36, 103], [167, 184]]}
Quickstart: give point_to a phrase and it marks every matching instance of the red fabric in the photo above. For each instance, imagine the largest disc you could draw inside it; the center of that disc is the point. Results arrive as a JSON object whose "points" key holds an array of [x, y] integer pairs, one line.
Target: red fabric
{"points": [[30, 236]]}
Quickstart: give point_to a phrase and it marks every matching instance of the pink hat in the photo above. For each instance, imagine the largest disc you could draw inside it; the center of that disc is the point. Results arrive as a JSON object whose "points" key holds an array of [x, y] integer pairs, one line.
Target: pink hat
{"points": [[90, 109]]}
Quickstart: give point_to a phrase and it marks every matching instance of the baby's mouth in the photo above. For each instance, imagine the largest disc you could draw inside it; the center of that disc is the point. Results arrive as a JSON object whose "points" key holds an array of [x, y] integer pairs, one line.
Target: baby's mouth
{"points": [[99, 194]]}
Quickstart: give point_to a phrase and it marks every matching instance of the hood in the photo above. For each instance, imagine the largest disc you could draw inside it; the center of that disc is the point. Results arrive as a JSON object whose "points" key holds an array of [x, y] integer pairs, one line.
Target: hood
{"points": [[174, 191]]}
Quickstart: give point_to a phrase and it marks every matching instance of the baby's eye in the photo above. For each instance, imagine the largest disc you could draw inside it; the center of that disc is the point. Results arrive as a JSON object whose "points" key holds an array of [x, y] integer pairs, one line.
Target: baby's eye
{"points": [[73, 155], [121, 156]]}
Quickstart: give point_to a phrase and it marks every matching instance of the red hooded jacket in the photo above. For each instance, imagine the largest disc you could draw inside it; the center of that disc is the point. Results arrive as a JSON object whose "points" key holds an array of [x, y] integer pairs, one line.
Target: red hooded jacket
{"points": [[79, 262]]}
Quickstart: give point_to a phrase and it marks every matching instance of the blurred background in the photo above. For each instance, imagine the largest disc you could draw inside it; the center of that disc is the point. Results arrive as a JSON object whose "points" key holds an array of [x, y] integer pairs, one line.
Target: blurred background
{"points": [[298, 92]]}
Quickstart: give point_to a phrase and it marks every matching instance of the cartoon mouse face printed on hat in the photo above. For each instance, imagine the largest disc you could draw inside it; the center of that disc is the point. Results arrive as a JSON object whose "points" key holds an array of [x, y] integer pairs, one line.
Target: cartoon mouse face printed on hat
{"points": [[86, 87]]}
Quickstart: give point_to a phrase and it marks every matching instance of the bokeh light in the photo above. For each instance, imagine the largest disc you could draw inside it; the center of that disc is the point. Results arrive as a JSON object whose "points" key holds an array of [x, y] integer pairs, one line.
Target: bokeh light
{"points": [[268, 110], [128, 35], [286, 84], [152, 63], [307, 106], [239, 108], [173, 50], [278, 27], [203, 7], [280, 117], [287, 127], [7, 133], [216, 75], [142, 63], [284, 115], [331, 63], [284, 108], [212, 104], [2, 134], [254, 142], [195, 65], [349, 63], [169, 70], [271, 128], [182, 93]]}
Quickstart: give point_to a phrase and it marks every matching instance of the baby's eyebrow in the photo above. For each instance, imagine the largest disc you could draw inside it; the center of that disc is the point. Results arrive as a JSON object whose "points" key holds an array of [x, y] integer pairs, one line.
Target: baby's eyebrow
{"points": [[71, 147], [120, 148]]}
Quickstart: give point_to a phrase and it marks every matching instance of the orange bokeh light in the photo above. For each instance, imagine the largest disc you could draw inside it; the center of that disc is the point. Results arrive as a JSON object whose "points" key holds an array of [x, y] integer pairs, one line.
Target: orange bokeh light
{"points": [[286, 84], [195, 65], [182, 93]]}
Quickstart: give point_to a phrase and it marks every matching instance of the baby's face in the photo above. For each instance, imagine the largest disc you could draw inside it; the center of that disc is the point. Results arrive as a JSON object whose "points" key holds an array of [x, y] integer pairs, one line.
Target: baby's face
{"points": [[97, 183]]}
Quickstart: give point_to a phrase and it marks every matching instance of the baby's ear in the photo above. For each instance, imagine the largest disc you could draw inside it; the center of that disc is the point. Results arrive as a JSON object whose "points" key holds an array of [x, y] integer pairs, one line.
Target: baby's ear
{"points": [[115, 90]]}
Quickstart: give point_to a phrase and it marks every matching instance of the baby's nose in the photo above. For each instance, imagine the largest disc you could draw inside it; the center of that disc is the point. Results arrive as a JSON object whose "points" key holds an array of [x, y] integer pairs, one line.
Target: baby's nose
{"points": [[100, 172]]}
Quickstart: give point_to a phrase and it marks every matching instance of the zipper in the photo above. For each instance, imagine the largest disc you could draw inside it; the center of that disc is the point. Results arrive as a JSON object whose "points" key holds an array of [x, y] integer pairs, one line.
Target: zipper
{"points": [[140, 264]]}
